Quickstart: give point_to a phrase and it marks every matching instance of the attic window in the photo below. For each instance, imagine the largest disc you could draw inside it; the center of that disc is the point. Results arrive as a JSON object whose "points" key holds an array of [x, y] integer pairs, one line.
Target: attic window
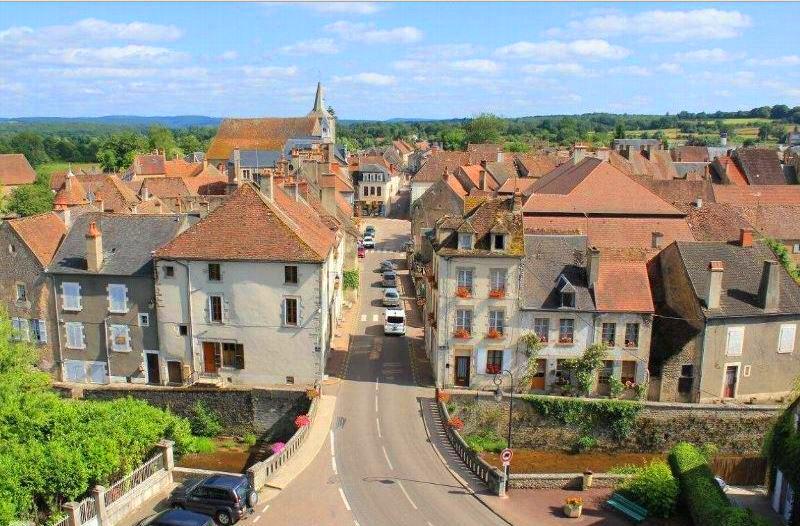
{"points": [[499, 242], [567, 293], [465, 241]]}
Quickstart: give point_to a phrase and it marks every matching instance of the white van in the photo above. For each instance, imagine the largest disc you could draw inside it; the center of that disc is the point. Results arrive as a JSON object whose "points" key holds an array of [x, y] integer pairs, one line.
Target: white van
{"points": [[394, 321]]}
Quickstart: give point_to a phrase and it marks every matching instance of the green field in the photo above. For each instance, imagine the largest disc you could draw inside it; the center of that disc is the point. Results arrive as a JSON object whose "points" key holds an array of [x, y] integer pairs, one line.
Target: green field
{"points": [[49, 169]]}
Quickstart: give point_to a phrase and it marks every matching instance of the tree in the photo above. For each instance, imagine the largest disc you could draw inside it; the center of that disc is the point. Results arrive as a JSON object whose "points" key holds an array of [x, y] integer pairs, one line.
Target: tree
{"points": [[31, 145], [778, 131], [31, 199], [161, 138], [190, 143], [763, 132], [619, 131], [587, 365], [779, 111], [453, 138], [118, 150], [485, 128]]}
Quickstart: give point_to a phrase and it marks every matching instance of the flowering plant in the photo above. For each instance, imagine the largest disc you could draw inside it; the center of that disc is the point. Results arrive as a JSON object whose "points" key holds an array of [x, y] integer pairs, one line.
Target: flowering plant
{"points": [[461, 333], [494, 334], [443, 397], [463, 292], [497, 293], [630, 385], [565, 339], [492, 368], [573, 502], [631, 343], [456, 423], [312, 393], [277, 447], [301, 421]]}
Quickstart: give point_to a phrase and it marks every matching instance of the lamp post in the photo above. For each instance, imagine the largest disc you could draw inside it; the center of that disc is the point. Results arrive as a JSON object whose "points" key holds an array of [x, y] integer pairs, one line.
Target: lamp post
{"points": [[498, 396]]}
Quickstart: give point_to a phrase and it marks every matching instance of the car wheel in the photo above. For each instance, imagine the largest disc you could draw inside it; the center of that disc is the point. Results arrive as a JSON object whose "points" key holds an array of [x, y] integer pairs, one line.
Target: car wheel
{"points": [[223, 518], [177, 506], [252, 499]]}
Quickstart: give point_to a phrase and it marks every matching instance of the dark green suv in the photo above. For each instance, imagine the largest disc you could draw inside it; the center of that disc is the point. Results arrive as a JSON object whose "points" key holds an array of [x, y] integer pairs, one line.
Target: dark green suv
{"points": [[227, 498]]}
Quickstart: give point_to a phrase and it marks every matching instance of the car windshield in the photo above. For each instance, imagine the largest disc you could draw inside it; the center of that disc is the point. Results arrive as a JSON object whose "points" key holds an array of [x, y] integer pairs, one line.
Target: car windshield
{"points": [[395, 319], [389, 275], [391, 294]]}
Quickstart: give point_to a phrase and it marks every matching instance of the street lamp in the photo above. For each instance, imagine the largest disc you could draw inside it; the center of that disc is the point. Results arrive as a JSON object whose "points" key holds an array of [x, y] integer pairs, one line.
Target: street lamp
{"points": [[498, 396]]}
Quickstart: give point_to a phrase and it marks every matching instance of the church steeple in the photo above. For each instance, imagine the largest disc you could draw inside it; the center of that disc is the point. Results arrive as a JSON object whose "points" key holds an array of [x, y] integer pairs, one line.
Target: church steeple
{"points": [[318, 109]]}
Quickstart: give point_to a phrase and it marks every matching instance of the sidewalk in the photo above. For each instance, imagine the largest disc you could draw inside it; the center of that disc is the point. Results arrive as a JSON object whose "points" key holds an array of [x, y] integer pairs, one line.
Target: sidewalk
{"points": [[335, 367]]}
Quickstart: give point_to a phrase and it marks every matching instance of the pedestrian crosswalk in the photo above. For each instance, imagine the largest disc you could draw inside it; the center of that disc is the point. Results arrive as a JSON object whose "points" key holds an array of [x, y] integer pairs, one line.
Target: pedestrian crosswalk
{"points": [[364, 317]]}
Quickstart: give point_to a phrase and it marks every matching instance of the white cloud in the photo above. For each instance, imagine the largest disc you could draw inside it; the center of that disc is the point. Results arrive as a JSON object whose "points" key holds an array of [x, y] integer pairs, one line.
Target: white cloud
{"points": [[132, 54], [633, 71], [372, 79], [564, 68], [670, 67], [369, 34], [664, 26], [409, 65], [317, 46], [263, 72], [554, 49], [706, 55], [11, 87], [786, 60], [444, 51], [89, 30], [354, 8], [229, 55], [477, 65]]}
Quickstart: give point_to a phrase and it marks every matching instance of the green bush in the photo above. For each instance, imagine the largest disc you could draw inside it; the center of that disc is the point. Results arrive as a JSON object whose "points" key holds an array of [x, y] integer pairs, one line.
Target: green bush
{"points": [[249, 439], [654, 487], [487, 441], [705, 500], [204, 445], [351, 279], [618, 416], [616, 387], [585, 443], [205, 421]]}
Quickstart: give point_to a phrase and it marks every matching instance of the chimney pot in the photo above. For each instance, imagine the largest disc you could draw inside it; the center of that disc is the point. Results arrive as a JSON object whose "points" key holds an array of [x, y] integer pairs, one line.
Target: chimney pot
{"points": [[746, 237], [94, 248]]}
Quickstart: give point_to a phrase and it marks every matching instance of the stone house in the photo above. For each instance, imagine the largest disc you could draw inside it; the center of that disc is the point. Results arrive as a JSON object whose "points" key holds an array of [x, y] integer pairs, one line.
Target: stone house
{"points": [[251, 294], [27, 246], [15, 170], [445, 197], [104, 293], [572, 298], [471, 303], [375, 187], [726, 323]]}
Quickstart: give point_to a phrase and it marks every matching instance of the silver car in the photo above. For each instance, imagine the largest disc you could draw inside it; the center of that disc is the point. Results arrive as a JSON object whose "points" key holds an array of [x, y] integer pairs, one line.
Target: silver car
{"points": [[389, 279], [391, 298]]}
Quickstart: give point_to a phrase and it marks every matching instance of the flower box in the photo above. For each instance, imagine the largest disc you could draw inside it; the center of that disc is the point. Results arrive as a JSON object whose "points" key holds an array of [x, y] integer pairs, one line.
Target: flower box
{"points": [[492, 368], [631, 345], [494, 334], [497, 293], [461, 334], [463, 292], [573, 507], [566, 340]]}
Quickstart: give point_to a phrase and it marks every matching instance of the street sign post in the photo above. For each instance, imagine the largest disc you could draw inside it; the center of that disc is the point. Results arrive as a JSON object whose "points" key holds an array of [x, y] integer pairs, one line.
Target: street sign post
{"points": [[505, 456]]}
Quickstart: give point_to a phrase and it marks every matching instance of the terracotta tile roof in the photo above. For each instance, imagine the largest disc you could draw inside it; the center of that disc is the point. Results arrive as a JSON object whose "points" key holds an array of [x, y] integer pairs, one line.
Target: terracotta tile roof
{"points": [[71, 194], [149, 164], [679, 190], [115, 195], [761, 194], [422, 145], [42, 233], [491, 215], [594, 187], [514, 184], [623, 286], [269, 133], [728, 172], [774, 221], [470, 177], [164, 187], [344, 205], [436, 164], [91, 182], [715, 221], [403, 147], [207, 184], [250, 227], [656, 164], [484, 152], [691, 154], [15, 170], [534, 164], [760, 165]]}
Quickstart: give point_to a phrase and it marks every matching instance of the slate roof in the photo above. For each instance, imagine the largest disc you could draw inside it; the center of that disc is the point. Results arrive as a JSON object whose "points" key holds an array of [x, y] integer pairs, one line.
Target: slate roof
{"points": [[680, 191], [128, 243], [269, 133], [501, 170], [15, 170], [547, 258], [760, 166], [42, 233], [257, 158], [741, 278], [691, 171], [250, 227], [490, 213]]}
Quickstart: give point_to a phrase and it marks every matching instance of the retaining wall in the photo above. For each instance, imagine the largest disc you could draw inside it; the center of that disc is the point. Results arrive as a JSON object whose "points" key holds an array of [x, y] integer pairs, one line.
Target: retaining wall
{"points": [[562, 480]]}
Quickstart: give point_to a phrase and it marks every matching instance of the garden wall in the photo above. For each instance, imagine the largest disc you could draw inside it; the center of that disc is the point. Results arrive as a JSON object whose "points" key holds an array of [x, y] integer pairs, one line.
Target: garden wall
{"points": [[658, 427], [241, 410], [562, 480]]}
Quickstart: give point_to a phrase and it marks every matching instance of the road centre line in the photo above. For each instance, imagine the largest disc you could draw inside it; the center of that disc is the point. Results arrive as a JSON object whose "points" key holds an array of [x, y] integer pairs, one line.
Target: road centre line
{"points": [[333, 465], [257, 518], [374, 317], [377, 380], [344, 499], [386, 456], [265, 509], [376, 403], [407, 495], [378, 425], [332, 442]]}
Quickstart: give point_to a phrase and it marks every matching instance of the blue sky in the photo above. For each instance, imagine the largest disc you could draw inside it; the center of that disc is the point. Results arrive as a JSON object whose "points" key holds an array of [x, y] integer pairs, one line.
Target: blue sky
{"points": [[384, 60]]}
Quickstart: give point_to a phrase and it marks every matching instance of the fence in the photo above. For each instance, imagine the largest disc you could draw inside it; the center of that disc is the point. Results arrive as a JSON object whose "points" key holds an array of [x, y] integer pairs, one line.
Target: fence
{"points": [[133, 480], [740, 471], [261, 472], [493, 477]]}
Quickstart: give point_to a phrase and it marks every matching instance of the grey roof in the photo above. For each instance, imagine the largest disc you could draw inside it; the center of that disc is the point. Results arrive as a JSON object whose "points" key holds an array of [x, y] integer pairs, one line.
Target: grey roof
{"points": [[685, 168], [372, 168], [258, 158], [437, 201], [790, 173], [636, 142], [500, 171], [547, 259], [129, 241], [718, 151], [741, 277]]}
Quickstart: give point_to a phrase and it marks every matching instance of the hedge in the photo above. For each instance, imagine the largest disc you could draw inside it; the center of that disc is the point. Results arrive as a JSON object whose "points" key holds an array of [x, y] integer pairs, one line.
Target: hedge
{"points": [[654, 487], [706, 501], [618, 416]]}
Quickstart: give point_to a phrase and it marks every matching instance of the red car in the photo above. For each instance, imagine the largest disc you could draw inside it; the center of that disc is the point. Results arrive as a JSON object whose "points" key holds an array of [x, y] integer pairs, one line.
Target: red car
{"points": [[361, 251]]}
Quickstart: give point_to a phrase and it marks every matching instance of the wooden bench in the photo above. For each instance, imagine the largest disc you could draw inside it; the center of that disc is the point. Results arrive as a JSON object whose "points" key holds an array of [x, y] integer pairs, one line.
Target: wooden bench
{"points": [[627, 507]]}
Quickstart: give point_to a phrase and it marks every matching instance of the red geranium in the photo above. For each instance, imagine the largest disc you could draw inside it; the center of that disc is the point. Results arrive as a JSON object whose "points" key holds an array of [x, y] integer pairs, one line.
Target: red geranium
{"points": [[302, 420], [456, 423]]}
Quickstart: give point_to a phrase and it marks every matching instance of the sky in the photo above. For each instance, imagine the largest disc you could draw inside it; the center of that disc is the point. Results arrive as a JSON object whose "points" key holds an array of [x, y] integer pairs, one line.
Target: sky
{"points": [[395, 60]]}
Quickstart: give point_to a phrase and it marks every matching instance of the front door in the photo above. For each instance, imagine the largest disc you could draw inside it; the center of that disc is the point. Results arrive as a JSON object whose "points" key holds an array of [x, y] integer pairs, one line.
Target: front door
{"points": [[731, 372], [462, 371], [538, 379], [153, 372], [209, 357]]}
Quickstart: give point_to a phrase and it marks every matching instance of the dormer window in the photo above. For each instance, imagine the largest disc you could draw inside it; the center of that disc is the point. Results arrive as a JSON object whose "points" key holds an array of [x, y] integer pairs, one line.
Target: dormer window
{"points": [[567, 293], [498, 242], [465, 241]]}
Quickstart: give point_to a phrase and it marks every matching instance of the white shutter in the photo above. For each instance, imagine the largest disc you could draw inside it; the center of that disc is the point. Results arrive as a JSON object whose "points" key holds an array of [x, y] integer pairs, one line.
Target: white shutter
{"points": [[127, 338], [24, 330], [786, 338], [42, 331], [481, 361], [208, 310], [15, 329], [507, 356], [83, 335], [735, 341]]}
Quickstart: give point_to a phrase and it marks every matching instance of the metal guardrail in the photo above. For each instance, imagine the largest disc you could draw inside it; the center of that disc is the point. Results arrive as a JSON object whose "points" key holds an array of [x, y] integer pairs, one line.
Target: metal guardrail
{"points": [[66, 521], [131, 481]]}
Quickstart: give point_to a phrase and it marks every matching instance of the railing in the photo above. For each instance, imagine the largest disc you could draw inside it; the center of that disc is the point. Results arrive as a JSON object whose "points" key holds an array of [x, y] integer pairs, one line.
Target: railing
{"points": [[134, 479], [87, 510], [66, 521]]}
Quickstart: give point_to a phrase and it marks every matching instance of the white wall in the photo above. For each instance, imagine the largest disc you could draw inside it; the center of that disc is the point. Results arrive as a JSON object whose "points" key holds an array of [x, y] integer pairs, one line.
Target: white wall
{"points": [[418, 188]]}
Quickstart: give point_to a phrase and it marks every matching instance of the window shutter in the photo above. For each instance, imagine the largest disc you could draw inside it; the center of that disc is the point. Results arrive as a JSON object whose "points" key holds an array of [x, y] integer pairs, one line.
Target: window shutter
{"points": [[42, 331], [24, 330], [735, 340], [208, 310], [283, 311], [127, 338], [507, 359], [225, 309], [481, 361], [83, 336], [787, 336]]}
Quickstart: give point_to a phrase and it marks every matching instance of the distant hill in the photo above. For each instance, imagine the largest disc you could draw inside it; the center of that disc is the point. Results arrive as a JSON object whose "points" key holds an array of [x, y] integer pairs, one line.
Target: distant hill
{"points": [[132, 121]]}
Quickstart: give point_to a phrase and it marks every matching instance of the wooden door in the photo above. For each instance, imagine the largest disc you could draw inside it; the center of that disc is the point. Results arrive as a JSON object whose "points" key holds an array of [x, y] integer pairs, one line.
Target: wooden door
{"points": [[174, 373], [209, 357], [153, 369], [462, 371], [538, 379], [730, 381]]}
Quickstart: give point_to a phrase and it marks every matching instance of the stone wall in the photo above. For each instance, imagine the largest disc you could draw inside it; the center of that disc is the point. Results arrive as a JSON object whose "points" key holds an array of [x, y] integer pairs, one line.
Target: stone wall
{"points": [[241, 410], [562, 480]]}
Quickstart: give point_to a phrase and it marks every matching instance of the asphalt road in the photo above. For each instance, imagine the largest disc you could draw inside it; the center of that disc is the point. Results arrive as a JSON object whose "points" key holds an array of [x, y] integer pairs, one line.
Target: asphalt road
{"points": [[378, 467]]}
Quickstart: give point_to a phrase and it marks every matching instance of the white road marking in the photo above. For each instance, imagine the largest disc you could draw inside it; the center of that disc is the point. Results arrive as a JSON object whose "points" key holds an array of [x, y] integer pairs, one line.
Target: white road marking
{"points": [[429, 523], [332, 442], [406, 494], [378, 425], [257, 517], [344, 499], [355, 523], [376, 403], [265, 509], [386, 456], [376, 383], [374, 317], [363, 317], [333, 465]]}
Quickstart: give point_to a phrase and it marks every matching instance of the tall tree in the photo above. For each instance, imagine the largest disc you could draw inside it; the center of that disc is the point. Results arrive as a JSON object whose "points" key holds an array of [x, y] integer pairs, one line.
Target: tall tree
{"points": [[117, 151], [31, 145], [484, 128], [161, 138]]}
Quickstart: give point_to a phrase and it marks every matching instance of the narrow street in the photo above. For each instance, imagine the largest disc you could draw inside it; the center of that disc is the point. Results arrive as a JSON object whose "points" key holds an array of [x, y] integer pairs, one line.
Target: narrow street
{"points": [[378, 467]]}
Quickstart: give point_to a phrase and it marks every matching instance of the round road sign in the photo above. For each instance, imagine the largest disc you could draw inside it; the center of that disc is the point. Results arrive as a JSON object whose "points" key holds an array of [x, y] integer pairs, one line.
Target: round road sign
{"points": [[506, 455]]}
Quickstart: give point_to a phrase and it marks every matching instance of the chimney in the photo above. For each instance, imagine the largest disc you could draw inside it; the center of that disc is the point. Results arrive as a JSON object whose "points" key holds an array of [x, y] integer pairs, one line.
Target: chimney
{"points": [[445, 175], [66, 217], [714, 291], [145, 193], [769, 293], [517, 201], [235, 178], [483, 164], [723, 139], [698, 203], [746, 237], [329, 199], [94, 248], [658, 238], [482, 178], [592, 265], [578, 153]]}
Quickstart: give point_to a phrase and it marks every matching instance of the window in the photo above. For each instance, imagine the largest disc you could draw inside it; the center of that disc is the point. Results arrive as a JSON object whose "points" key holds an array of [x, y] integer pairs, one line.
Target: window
{"points": [[290, 274], [183, 330], [464, 320], [628, 371], [796, 248], [120, 338], [22, 292], [609, 333], [465, 279], [563, 374], [465, 241], [568, 299], [214, 272], [39, 331], [631, 335], [566, 330], [71, 296], [496, 321], [497, 279], [746, 370], [290, 311], [733, 346], [75, 335], [366, 191], [215, 309], [786, 338], [499, 242], [246, 173], [20, 329], [686, 379], [144, 319], [541, 327], [169, 271], [233, 355], [606, 372], [494, 362], [378, 191], [118, 299]]}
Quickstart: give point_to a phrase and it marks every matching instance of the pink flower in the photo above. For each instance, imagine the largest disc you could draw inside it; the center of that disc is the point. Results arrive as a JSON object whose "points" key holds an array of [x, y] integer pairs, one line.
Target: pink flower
{"points": [[302, 420], [277, 447]]}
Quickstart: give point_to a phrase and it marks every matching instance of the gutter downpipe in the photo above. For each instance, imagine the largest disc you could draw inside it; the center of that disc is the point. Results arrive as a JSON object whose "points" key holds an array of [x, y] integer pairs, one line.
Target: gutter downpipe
{"points": [[108, 353], [190, 328]]}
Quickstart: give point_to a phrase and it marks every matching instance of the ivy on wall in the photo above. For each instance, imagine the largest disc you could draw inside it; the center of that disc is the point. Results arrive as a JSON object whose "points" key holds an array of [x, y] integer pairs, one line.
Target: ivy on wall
{"points": [[618, 416], [782, 448]]}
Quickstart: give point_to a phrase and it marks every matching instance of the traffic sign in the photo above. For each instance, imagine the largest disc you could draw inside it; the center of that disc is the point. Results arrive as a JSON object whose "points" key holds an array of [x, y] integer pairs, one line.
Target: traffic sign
{"points": [[506, 455]]}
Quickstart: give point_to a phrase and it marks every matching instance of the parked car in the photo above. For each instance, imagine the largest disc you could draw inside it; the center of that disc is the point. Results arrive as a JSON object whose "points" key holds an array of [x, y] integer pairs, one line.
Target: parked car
{"points": [[394, 321], [361, 251], [369, 242], [387, 265], [391, 298], [177, 518], [227, 498], [369, 231], [389, 279]]}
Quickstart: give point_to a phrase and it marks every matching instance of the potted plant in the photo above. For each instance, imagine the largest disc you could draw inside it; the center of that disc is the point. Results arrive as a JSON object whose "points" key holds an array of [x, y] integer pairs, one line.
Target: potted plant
{"points": [[461, 334], [456, 423], [302, 421], [463, 292], [494, 334], [497, 293], [573, 507]]}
